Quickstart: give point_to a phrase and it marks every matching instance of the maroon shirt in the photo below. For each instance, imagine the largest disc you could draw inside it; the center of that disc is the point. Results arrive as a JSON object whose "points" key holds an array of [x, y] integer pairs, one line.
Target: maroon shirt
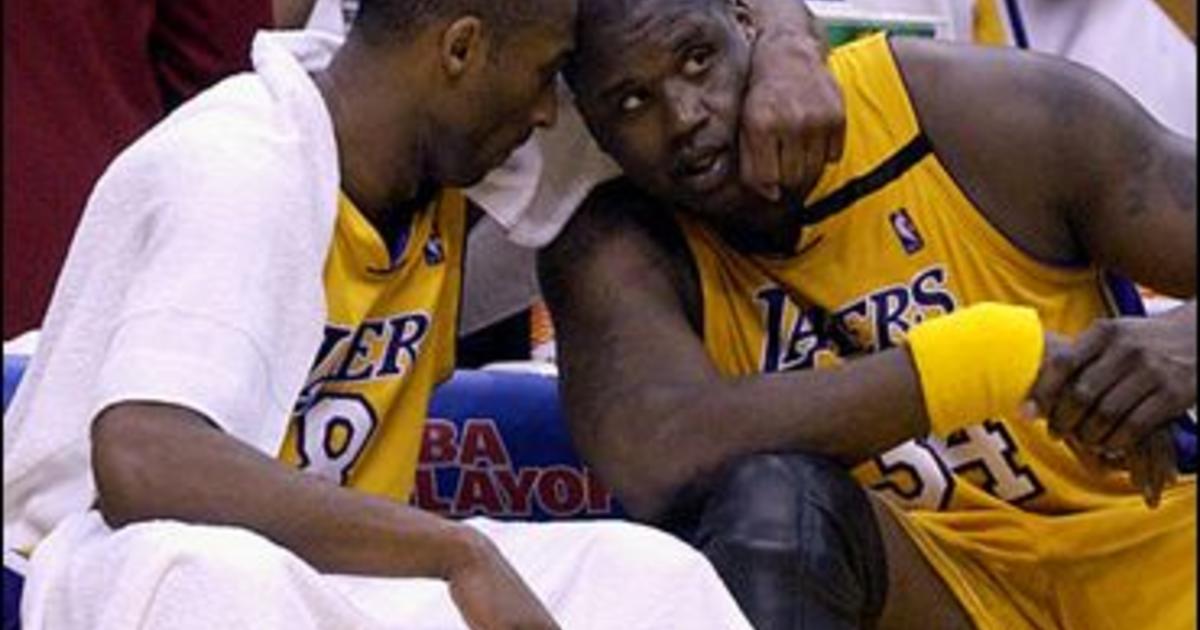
{"points": [[82, 78]]}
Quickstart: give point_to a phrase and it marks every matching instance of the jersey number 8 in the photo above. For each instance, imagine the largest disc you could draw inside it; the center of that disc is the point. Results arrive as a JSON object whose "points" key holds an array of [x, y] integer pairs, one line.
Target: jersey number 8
{"points": [[333, 433]]}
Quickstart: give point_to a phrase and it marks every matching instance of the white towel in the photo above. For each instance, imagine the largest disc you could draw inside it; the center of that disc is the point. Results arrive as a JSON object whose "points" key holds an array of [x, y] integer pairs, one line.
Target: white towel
{"points": [[199, 256], [173, 576], [534, 193]]}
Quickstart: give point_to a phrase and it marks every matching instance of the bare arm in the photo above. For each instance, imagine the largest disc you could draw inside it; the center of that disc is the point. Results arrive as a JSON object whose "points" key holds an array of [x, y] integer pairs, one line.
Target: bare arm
{"points": [[156, 461], [1064, 163], [646, 405], [159, 461], [1072, 169]]}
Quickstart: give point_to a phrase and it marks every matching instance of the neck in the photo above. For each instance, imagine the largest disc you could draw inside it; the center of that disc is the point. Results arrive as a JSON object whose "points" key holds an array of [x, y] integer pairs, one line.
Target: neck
{"points": [[379, 135], [762, 227]]}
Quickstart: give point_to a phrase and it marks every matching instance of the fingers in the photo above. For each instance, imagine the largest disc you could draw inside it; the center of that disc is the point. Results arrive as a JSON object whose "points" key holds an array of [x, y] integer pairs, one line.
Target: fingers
{"points": [[814, 164], [1139, 471], [1109, 391], [787, 135], [759, 155], [836, 138], [1087, 456], [1154, 467], [1151, 411], [793, 159], [1060, 363], [801, 161]]}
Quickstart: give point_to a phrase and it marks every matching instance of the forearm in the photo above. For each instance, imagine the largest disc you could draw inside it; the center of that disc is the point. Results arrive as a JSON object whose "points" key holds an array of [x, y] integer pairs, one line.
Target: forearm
{"points": [[848, 413], [975, 363], [162, 462], [685, 432]]}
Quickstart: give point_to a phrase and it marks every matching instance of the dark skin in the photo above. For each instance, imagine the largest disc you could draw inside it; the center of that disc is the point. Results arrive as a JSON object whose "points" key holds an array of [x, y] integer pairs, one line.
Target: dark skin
{"points": [[1109, 392], [395, 145], [291, 14], [788, 129], [153, 461], [623, 290]]}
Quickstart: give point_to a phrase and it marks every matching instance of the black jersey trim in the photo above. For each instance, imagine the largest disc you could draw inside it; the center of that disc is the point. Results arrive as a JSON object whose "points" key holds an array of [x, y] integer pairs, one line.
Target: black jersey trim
{"points": [[887, 172]]}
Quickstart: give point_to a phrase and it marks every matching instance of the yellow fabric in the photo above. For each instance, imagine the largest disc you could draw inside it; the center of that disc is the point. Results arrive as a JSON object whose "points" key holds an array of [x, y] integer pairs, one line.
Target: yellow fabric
{"points": [[958, 388], [389, 339], [988, 29], [1025, 534]]}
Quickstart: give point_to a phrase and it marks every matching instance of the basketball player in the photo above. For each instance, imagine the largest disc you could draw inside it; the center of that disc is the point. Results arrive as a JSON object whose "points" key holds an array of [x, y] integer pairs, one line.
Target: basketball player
{"points": [[687, 311], [307, 209]]}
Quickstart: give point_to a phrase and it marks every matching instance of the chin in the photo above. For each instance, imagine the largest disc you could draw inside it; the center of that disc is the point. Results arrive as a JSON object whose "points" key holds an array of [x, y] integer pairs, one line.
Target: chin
{"points": [[729, 198]]}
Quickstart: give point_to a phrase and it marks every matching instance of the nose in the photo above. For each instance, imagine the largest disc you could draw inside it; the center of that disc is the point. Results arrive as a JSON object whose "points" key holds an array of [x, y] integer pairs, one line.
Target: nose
{"points": [[545, 111], [684, 109]]}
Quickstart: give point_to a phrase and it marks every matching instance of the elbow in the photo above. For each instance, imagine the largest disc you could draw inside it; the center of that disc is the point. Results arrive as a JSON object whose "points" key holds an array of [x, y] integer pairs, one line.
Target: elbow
{"points": [[121, 467], [646, 489], [641, 450]]}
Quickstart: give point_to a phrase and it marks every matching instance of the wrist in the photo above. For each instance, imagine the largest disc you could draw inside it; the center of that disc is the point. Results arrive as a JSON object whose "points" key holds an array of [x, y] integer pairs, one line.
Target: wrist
{"points": [[463, 547], [976, 363]]}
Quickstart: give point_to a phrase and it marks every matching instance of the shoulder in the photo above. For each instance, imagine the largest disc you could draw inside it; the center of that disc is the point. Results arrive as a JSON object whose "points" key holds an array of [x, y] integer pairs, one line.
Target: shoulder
{"points": [[231, 154], [620, 233], [1012, 128], [616, 221]]}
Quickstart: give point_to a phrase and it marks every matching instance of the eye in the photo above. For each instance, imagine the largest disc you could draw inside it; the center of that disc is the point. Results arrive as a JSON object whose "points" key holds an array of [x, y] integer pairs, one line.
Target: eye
{"points": [[631, 102], [697, 61]]}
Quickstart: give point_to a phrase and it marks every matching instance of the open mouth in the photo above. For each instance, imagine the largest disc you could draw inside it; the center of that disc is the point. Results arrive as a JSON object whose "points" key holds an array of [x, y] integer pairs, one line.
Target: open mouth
{"points": [[704, 170]]}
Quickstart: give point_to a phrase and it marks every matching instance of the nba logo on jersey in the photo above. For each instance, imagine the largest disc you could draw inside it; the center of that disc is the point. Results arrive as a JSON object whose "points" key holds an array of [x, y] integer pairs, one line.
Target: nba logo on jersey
{"points": [[906, 231], [434, 254]]}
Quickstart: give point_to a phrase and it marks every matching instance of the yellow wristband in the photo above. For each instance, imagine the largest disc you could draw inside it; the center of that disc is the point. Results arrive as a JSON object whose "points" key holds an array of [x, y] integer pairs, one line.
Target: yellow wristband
{"points": [[976, 363]]}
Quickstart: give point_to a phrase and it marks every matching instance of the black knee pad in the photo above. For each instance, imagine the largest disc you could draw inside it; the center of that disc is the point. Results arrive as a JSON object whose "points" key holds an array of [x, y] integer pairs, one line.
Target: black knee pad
{"points": [[795, 539]]}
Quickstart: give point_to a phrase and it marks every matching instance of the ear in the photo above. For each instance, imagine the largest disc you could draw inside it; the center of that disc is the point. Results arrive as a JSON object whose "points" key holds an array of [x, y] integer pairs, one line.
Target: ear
{"points": [[745, 18], [462, 45]]}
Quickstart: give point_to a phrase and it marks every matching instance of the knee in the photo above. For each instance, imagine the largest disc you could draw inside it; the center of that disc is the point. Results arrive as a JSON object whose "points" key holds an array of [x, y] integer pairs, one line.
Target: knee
{"points": [[765, 499], [796, 519], [753, 501]]}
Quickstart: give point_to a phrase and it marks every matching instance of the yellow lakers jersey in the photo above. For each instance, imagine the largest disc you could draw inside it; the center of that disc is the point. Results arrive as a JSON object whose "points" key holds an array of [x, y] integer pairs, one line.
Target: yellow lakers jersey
{"points": [[389, 339], [895, 241]]}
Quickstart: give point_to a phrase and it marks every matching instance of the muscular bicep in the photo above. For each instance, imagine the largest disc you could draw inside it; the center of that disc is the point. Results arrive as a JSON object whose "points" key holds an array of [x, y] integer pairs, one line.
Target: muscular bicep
{"points": [[620, 316], [1059, 159]]}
